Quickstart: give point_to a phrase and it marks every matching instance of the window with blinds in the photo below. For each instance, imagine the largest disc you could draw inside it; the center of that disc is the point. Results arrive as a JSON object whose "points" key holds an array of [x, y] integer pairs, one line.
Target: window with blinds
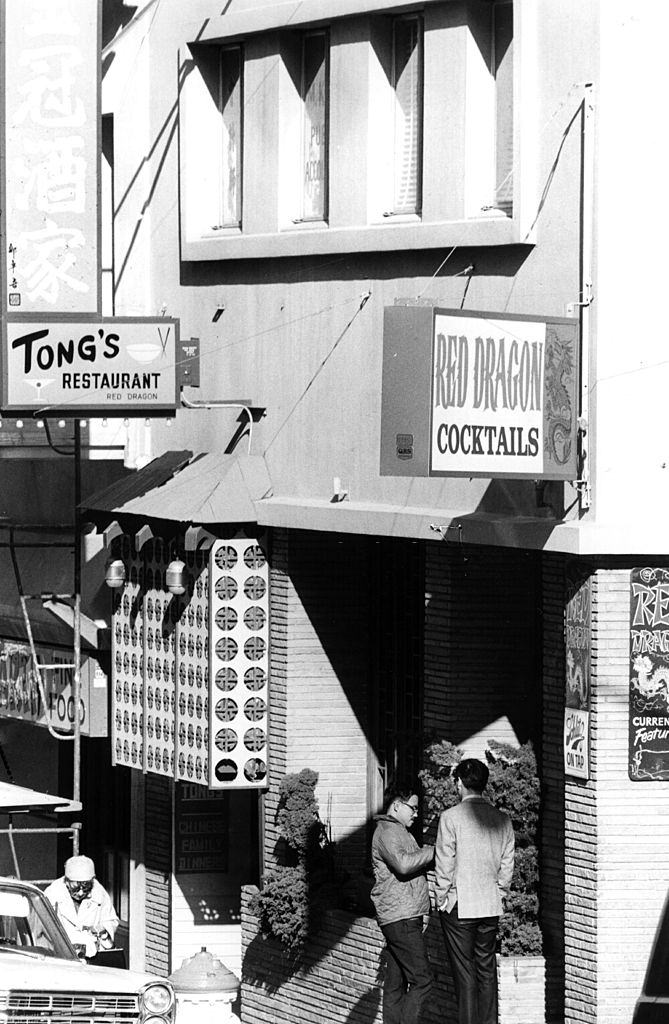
{"points": [[314, 95], [502, 70], [407, 85], [230, 106]]}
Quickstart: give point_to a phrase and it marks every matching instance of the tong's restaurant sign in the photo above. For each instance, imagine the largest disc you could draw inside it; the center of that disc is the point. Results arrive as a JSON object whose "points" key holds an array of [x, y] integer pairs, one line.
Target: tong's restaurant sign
{"points": [[478, 394], [76, 364]]}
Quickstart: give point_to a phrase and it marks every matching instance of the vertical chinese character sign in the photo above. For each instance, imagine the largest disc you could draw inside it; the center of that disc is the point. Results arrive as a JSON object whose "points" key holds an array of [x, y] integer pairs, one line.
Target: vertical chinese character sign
{"points": [[649, 675], [577, 695], [51, 152]]}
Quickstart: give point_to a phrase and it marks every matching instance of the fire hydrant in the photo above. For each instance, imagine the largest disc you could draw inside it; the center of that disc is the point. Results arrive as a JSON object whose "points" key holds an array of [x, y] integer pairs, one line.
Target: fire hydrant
{"points": [[205, 990]]}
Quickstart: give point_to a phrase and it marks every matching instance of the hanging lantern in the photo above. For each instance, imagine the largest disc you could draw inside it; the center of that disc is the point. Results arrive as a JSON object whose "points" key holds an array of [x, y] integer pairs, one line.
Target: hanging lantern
{"points": [[115, 573], [175, 577]]}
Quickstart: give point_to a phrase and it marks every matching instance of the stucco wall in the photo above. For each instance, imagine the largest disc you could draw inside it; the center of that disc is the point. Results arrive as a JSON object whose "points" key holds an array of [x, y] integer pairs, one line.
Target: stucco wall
{"points": [[285, 339]]}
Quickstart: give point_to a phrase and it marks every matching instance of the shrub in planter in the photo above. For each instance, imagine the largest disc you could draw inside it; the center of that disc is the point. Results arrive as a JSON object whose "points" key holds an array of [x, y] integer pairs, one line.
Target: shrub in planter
{"points": [[513, 787], [295, 893]]}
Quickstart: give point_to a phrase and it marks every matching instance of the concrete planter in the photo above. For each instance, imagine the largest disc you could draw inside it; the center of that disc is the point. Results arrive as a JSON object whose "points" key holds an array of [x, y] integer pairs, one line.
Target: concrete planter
{"points": [[522, 995]]}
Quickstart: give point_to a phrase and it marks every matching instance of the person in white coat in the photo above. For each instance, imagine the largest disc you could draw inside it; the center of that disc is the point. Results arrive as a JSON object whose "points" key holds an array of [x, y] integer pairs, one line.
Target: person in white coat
{"points": [[83, 907], [474, 856]]}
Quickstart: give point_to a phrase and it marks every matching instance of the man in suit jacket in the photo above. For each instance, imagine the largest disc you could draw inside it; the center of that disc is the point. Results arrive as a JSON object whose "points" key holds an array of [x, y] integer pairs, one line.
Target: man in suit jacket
{"points": [[473, 871]]}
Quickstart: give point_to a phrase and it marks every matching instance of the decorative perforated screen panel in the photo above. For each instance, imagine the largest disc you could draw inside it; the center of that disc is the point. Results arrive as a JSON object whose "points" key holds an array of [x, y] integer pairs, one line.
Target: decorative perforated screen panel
{"points": [[128, 661], [239, 636], [160, 611], [193, 674], [190, 672]]}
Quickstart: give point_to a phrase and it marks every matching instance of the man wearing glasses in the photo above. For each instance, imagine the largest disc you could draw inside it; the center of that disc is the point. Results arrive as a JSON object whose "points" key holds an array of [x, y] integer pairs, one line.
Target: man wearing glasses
{"points": [[83, 907], [402, 900]]}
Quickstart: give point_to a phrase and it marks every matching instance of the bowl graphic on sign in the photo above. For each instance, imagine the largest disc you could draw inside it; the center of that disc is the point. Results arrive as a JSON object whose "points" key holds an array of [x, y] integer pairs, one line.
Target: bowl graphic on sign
{"points": [[144, 352]]}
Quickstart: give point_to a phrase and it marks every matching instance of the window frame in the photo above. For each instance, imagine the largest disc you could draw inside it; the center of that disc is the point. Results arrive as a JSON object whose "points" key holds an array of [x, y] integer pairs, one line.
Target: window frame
{"points": [[453, 207]]}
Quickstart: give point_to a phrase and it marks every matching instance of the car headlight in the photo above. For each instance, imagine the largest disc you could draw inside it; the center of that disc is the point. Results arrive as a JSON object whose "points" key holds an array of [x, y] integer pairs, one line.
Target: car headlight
{"points": [[157, 998]]}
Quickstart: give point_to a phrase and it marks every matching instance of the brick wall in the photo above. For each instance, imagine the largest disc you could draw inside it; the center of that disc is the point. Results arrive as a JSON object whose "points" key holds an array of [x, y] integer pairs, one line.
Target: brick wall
{"points": [[632, 818], [158, 863], [482, 667], [552, 853], [280, 589], [320, 658], [338, 977]]}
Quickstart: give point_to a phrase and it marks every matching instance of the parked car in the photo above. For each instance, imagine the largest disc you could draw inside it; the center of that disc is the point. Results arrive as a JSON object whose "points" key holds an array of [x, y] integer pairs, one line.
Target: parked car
{"points": [[43, 980], [652, 1006]]}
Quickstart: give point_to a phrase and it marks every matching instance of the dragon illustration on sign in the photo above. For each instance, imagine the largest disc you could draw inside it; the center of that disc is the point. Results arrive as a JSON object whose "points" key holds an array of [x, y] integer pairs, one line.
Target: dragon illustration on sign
{"points": [[651, 684], [559, 370]]}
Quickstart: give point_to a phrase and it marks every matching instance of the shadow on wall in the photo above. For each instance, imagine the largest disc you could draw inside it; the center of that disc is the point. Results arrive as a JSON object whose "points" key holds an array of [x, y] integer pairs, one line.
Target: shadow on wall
{"points": [[338, 974], [479, 658]]}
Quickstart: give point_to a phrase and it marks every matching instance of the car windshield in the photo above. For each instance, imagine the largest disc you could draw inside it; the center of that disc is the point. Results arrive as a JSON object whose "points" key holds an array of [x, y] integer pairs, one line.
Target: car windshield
{"points": [[28, 924]]}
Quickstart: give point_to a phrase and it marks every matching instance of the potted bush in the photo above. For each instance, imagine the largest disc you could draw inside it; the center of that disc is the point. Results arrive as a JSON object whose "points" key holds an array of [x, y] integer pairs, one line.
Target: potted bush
{"points": [[513, 787], [296, 891]]}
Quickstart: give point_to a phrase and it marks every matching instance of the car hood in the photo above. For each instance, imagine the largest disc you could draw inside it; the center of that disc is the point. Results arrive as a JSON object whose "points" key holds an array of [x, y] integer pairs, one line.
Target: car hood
{"points": [[48, 974]]}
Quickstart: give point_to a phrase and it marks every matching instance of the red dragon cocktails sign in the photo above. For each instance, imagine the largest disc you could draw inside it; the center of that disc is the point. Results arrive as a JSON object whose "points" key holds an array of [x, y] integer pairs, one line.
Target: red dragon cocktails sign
{"points": [[479, 394]]}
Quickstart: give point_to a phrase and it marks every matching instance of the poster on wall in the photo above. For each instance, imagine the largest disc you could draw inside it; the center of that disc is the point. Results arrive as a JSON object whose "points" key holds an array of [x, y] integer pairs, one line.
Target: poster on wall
{"points": [[649, 675], [577, 690]]}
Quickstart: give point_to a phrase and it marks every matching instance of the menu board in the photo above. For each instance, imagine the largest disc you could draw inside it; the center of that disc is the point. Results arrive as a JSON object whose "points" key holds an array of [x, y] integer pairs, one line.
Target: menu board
{"points": [[202, 830]]}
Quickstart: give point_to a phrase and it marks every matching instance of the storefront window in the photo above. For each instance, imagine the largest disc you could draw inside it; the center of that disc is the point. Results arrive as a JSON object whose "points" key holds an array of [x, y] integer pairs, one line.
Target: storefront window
{"points": [[314, 93]]}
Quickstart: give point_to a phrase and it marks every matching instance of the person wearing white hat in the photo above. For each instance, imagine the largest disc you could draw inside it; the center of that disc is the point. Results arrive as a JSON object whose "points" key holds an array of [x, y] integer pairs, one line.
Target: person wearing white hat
{"points": [[83, 906]]}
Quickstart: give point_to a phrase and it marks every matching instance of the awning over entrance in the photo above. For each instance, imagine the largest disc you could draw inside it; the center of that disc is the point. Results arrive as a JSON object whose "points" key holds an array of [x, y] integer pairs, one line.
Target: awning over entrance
{"points": [[181, 487], [17, 798]]}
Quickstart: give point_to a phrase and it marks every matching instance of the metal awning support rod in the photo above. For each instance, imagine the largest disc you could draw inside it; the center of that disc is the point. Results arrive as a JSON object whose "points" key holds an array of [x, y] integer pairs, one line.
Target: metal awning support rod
{"points": [[38, 544], [71, 830], [36, 528], [42, 831], [76, 681], [12, 847], [33, 652]]}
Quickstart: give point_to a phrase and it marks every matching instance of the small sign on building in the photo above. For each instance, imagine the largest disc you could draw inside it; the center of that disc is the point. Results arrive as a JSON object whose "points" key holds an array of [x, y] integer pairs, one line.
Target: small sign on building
{"points": [[576, 742], [478, 394], [79, 365], [649, 675], [201, 842]]}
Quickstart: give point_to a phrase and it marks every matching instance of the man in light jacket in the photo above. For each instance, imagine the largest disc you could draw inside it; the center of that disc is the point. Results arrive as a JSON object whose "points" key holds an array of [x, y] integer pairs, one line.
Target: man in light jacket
{"points": [[402, 900], [473, 871]]}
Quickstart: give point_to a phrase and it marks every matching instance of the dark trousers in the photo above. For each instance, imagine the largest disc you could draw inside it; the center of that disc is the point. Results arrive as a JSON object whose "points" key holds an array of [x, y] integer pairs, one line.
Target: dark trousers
{"points": [[408, 977], [471, 944]]}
